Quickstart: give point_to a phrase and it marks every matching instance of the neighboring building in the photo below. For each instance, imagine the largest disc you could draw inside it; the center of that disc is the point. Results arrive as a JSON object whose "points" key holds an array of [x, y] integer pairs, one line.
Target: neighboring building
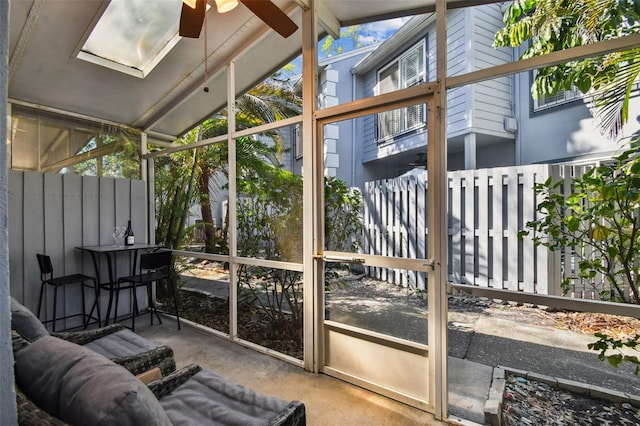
{"points": [[494, 123]]}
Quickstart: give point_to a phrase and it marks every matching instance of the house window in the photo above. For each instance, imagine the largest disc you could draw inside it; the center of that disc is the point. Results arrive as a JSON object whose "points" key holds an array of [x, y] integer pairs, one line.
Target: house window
{"points": [[408, 70], [560, 98]]}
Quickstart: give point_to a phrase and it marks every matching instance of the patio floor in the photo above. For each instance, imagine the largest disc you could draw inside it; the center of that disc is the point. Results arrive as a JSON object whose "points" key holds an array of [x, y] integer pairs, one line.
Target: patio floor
{"points": [[481, 337], [328, 401]]}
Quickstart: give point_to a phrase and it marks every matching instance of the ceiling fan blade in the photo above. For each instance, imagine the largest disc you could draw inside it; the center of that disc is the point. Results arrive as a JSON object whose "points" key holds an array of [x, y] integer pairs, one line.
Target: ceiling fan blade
{"points": [[272, 16], [191, 20]]}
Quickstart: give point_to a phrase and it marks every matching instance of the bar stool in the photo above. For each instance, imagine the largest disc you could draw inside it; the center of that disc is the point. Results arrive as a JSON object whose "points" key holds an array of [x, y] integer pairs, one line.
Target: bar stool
{"points": [[154, 266], [46, 276]]}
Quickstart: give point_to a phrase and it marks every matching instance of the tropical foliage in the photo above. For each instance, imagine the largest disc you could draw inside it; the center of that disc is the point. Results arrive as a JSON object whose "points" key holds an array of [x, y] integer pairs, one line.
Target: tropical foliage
{"points": [[547, 26], [270, 227], [185, 178], [599, 222], [110, 153]]}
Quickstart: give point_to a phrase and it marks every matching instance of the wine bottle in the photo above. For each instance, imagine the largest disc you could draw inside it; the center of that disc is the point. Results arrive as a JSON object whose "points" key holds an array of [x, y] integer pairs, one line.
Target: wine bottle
{"points": [[128, 235]]}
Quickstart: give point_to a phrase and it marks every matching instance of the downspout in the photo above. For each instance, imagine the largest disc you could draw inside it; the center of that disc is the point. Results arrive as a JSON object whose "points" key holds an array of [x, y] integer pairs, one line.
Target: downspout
{"points": [[353, 134]]}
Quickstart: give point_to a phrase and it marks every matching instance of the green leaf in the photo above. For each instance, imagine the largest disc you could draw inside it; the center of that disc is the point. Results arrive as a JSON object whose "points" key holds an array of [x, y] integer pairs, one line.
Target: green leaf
{"points": [[599, 232], [573, 223]]}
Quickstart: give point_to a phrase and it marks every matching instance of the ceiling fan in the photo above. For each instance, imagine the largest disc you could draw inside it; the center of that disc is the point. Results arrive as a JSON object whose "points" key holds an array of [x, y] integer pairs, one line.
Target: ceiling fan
{"points": [[193, 13]]}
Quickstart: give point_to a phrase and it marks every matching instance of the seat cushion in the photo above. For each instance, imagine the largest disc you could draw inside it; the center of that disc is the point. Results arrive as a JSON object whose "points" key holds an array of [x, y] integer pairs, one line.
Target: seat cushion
{"points": [[79, 386], [25, 322], [120, 344], [208, 399]]}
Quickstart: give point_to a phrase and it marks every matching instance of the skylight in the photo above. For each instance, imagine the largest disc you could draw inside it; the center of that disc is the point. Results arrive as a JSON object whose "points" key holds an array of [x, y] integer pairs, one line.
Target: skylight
{"points": [[132, 36]]}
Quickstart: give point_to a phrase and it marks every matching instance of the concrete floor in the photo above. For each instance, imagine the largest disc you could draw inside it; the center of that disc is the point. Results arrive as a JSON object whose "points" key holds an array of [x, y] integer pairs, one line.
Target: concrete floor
{"points": [[328, 401]]}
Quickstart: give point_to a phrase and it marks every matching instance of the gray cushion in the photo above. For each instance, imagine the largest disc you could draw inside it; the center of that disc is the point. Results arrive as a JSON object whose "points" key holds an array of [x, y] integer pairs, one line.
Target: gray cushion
{"points": [[208, 399], [81, 387], [25, 322], [120, 344]]}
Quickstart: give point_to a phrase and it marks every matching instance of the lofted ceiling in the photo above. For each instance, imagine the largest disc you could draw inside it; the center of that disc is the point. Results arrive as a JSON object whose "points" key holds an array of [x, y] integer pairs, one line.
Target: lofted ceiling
{"points": [[43, 69]]}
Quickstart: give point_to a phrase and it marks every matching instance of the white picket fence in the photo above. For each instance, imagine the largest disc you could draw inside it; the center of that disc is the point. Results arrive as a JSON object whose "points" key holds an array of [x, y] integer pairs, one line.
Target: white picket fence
{"points": [[487, 208]]}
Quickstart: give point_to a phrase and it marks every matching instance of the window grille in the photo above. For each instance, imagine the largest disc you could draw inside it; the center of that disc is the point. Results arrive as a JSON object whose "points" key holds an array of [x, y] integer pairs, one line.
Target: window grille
{"points": [[406, 71]]}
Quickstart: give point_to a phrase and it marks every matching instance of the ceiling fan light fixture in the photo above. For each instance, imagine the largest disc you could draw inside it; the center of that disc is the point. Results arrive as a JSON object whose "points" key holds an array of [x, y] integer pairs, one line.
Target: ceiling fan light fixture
{"points": [[225, 6], [190, 3]]}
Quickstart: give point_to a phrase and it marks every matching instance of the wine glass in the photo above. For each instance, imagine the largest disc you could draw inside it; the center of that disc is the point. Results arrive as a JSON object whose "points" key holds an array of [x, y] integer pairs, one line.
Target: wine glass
{"points": [[118, 236]]}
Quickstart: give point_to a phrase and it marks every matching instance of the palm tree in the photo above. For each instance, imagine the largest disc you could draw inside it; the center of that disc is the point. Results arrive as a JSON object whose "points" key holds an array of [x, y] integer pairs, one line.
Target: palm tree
{"points": [[267, 102], [552, 25]]}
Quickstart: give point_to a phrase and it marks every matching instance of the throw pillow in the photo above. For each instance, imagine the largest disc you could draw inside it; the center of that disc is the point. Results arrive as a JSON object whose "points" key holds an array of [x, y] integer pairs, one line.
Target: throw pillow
{"points": [[25, 322], [80, 386]]}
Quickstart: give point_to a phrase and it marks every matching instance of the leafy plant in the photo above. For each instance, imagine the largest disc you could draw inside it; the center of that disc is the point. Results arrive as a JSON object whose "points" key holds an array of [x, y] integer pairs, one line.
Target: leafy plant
{"points": [[343, 215], [269, 215], [599, 222], [547, 26], [606, 344]]}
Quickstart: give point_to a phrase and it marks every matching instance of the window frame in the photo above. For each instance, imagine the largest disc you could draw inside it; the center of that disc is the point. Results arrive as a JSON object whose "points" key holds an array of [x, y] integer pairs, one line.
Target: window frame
{"points": [[402, 114], [544, 102]]}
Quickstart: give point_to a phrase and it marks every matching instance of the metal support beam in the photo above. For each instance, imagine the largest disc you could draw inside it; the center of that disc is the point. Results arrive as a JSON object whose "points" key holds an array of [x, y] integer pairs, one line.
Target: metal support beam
{"points": [[326, 19], [555, 58], [233, 207], [313, 283], [437, 223]]}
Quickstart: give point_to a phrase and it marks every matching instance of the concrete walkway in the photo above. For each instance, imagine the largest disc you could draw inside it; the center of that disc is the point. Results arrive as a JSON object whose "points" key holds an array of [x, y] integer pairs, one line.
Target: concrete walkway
{"points": [[478, 343]]}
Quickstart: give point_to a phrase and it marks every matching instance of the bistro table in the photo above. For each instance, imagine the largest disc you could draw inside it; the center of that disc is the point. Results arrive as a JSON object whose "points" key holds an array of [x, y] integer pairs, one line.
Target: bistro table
{"points": [[107, 250]]}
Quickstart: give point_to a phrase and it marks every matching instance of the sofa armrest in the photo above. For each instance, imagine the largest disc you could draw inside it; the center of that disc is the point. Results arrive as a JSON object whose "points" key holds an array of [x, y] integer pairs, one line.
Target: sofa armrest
{"points": [[161, 357], [293, 414], [30, 414], [86, 336], [171, 382], [18, 342]]}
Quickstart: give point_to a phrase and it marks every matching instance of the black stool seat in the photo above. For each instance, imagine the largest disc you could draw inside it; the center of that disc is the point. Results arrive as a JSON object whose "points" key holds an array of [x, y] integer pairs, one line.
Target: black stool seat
{"points": [[47, 278], [69, 279], [154, 267]]}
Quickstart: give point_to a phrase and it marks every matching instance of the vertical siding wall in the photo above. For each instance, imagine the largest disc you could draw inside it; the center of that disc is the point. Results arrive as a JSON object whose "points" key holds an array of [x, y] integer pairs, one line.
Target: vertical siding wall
{"points": [[53, 214]]}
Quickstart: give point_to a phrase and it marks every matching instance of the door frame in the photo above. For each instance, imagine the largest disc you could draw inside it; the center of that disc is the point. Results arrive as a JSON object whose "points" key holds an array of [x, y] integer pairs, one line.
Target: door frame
{"points": [[426, 93]]}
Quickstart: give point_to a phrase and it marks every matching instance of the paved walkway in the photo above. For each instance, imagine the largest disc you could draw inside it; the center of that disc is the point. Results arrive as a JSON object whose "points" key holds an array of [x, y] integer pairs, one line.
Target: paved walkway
{"points": [[478, 342]]}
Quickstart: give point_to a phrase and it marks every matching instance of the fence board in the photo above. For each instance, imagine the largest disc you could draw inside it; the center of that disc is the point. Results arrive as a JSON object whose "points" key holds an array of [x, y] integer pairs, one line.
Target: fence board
{"points": [[528, 250], [422, 251], [482, 232], [54, 243], [33, 236], [497, 231], [511, 282], [455, 227], [53, 214], [15, 203], [469, 228]]}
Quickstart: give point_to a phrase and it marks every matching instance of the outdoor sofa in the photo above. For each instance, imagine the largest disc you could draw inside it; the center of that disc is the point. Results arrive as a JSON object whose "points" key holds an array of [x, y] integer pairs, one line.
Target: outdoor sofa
{"points": [[115, 342], [61, 382]]}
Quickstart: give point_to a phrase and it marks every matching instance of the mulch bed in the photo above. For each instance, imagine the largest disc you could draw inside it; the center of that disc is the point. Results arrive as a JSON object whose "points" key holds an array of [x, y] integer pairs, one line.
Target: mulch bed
{"points": [[213, 312], [529, 402]]}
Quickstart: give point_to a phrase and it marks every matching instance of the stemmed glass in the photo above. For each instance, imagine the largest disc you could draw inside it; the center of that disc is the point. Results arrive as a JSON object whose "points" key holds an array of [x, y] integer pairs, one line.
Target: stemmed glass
{"points": [[118, 236]]}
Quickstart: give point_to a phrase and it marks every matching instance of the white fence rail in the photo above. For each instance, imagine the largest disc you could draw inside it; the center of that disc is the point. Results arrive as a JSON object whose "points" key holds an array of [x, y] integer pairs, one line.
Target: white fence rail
{"points": [[487, 209]]}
